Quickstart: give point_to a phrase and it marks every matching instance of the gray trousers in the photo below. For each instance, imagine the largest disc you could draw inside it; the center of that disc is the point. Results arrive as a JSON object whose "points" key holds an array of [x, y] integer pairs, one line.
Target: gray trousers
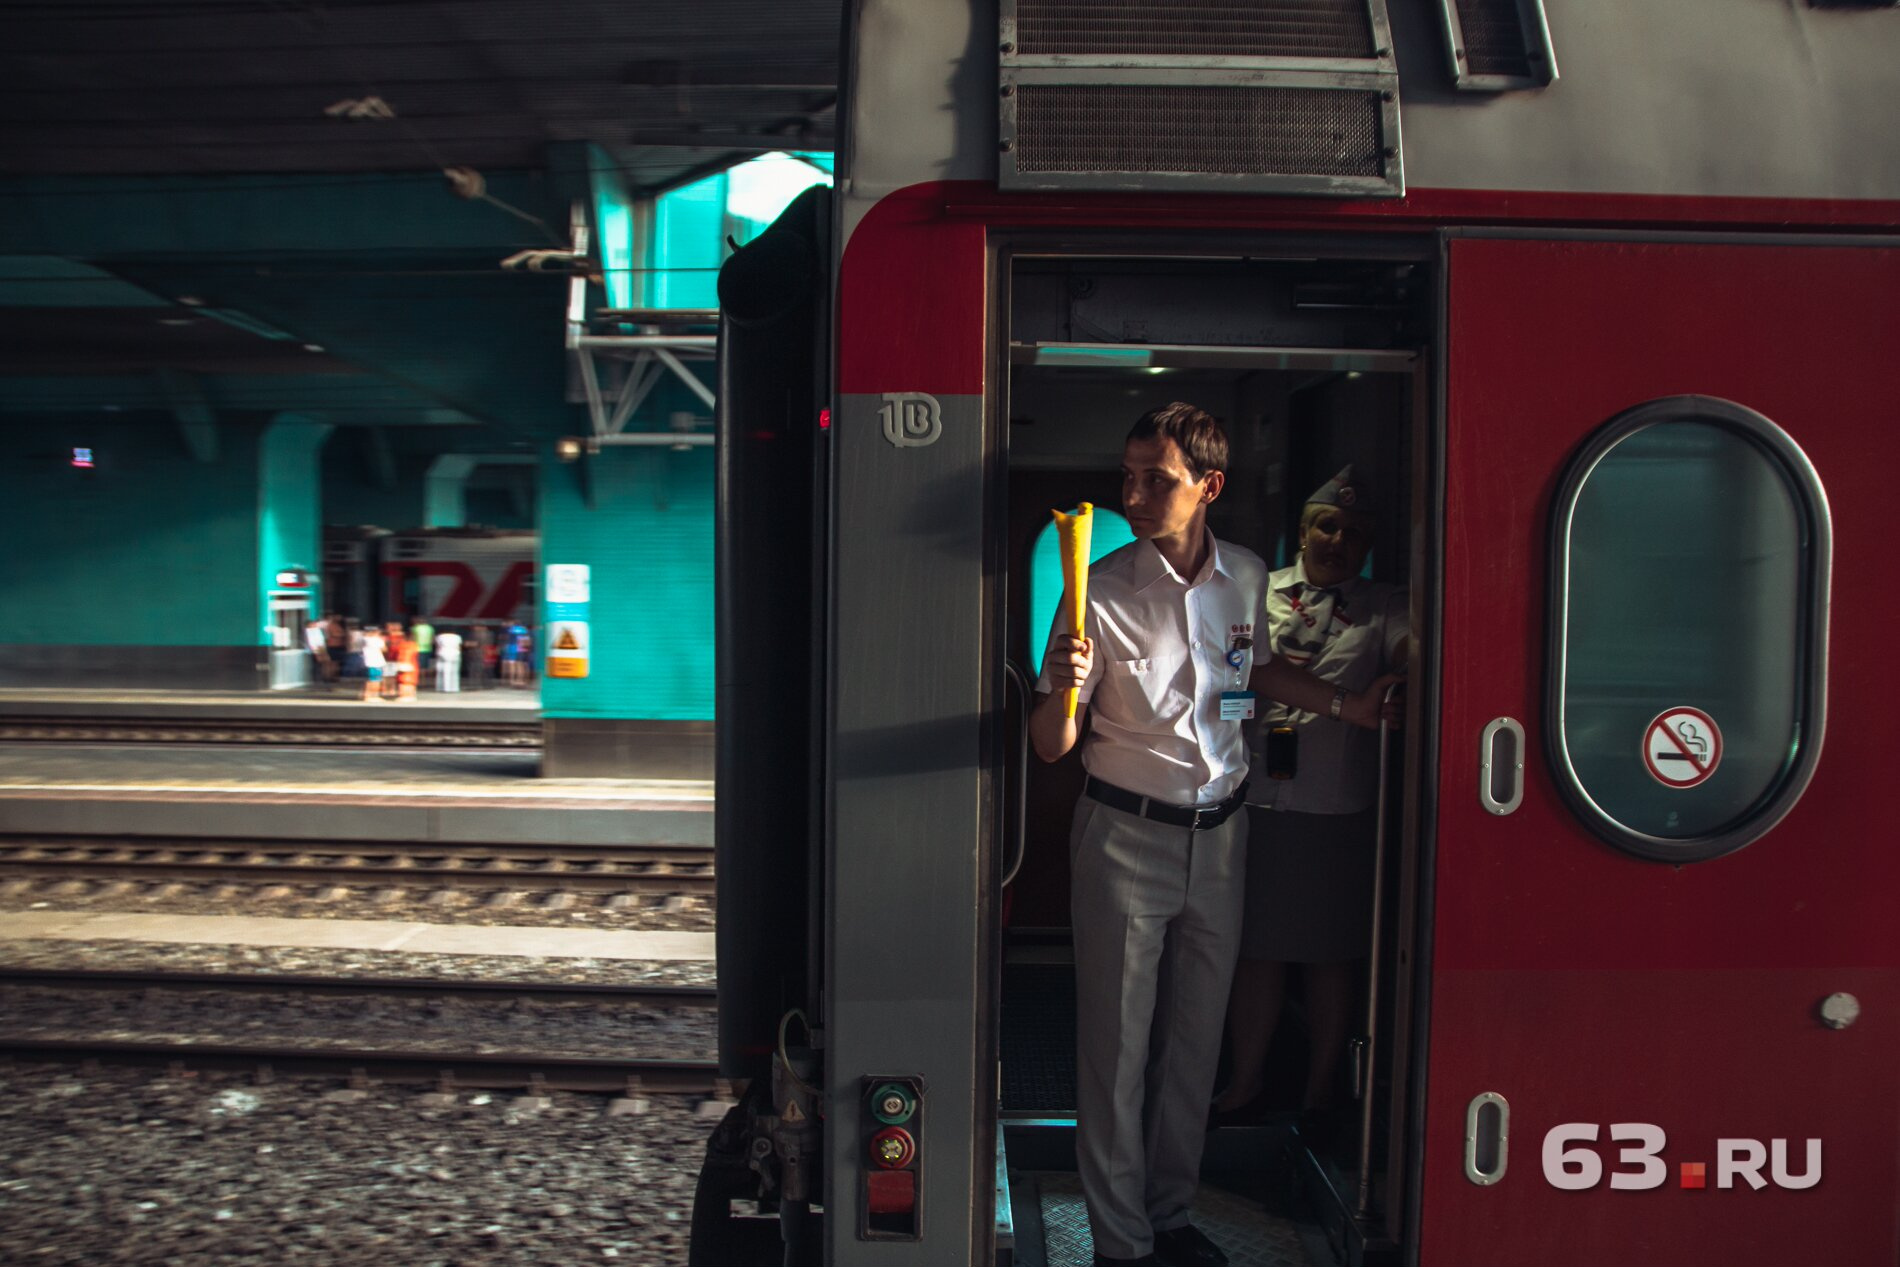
{"points": [[1157, 914]]}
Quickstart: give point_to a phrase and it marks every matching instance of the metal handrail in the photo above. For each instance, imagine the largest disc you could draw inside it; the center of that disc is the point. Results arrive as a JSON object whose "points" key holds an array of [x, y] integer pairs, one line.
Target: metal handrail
{"points": [[1369, 1069], [1020, 680]]}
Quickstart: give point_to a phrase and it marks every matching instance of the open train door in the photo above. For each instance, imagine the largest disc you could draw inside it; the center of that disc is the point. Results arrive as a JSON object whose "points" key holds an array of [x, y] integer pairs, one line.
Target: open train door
{"points": [[1662, 957]]}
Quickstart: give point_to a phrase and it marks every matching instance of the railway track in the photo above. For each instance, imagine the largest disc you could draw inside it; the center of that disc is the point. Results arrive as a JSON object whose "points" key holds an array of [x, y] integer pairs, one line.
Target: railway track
{"points": [[447, 1070], [640, 994], [314, 732], [583, 869]]}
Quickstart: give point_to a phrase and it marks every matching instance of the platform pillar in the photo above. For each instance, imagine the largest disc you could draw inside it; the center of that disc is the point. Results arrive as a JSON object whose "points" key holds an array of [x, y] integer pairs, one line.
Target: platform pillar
{"points": [[289, 507], [641, 520]]}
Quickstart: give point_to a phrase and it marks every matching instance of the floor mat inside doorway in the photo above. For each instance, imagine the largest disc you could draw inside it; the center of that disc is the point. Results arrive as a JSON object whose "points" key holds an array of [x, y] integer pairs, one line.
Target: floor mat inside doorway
{"points": [[1244, 1229]]}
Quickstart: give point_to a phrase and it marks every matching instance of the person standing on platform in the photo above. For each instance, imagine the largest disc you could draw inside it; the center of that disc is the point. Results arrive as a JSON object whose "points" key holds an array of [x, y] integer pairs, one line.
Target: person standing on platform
{"points": [[484, 657], [1157, 846], [373, 663], [512, 668], [524, 657], [392, 659], [448, 661], [408, 668], [336, 640], [1310, 873], [424, 634], [319, 649], [352, 649]]}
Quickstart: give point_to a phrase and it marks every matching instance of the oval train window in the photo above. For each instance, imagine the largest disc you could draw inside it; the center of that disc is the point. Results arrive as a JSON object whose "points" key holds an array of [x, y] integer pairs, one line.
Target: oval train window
{"points": [[1688, 628]]}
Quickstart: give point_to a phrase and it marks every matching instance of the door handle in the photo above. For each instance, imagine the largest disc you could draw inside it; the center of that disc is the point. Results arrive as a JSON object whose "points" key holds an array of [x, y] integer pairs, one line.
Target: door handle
{"points": [[1487, 1138], [1501, 766]]}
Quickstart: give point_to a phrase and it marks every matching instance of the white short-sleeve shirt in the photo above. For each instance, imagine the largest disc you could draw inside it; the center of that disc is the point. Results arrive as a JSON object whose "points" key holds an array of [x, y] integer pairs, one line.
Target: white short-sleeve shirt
{"points": [[1161, 648]]}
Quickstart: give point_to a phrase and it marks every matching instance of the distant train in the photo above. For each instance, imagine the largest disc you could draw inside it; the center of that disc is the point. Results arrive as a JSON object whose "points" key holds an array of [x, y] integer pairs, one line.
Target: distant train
{"points": [[454, 576]]}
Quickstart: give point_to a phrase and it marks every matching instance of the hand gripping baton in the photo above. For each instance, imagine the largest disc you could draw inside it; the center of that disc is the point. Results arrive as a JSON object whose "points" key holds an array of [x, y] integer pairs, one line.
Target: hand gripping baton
{"points": [[1073, 532]]}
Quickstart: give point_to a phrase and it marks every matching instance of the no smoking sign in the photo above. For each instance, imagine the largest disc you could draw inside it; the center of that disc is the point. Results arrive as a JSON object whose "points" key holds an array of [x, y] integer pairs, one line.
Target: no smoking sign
{"points": [[1682, 747]]}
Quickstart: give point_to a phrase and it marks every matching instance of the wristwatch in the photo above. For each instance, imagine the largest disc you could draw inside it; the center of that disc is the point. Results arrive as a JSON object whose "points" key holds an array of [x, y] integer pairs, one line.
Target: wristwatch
{"points": [[1339, 701]]}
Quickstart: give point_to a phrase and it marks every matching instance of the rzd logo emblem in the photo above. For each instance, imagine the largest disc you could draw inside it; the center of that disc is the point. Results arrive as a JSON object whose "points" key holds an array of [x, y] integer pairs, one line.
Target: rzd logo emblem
{"points": [[911, 419]]}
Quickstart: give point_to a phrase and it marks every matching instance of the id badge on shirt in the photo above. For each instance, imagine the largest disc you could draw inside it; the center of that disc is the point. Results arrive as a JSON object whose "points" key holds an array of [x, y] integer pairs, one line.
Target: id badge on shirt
{"points": [[1238, 704]]}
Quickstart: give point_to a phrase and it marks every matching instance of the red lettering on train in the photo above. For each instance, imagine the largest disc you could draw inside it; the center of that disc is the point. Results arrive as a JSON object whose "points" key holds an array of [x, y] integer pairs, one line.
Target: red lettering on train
{"points": [[507, 596], [461, 600]]}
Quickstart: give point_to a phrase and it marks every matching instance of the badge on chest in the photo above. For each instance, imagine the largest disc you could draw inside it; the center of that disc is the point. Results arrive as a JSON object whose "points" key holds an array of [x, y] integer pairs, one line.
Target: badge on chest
{"points": [[1238, 704]]}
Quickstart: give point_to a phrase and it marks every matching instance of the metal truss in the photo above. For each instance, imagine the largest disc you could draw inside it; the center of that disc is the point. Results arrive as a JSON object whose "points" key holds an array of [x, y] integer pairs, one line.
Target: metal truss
{"points": [[621, 354]]}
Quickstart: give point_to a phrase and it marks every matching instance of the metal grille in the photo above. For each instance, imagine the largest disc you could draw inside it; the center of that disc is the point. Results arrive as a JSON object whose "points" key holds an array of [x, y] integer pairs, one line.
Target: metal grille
{"points": [[1261, 28], [1203, 131], [1493, 38]]}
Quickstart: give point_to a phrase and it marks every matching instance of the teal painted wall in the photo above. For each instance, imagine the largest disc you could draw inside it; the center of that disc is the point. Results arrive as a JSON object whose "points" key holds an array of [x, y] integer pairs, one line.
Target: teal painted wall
{"points": [[289, 514], [649, 541], [149, 549], [1109, 534]]}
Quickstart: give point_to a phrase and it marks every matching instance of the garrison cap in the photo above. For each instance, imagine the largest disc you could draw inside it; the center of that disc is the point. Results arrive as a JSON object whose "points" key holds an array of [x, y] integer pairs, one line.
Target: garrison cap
{"points": [[1344, 489]]}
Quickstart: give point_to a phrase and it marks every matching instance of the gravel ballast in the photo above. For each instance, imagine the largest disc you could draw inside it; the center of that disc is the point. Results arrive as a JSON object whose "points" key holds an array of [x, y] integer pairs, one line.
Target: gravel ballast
{"points": [[526, 908], [182, 1170], [366, 1022]]}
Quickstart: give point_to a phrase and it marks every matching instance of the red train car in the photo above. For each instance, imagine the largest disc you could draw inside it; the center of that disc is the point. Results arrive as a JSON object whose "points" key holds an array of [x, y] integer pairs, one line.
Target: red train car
{"points": [[456, 577], [1613, 343]]}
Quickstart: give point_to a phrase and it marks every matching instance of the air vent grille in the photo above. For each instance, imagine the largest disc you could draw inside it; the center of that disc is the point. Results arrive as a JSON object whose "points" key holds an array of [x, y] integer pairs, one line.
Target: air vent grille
{"points": [[1140, 28], [1494, 38], [1210, 131]]}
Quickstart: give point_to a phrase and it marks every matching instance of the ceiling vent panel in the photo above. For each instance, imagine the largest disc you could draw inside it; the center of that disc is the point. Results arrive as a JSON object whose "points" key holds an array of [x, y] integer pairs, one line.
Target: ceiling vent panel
{"points": [[1137, 28], [1266, 96], [1498, 45]]}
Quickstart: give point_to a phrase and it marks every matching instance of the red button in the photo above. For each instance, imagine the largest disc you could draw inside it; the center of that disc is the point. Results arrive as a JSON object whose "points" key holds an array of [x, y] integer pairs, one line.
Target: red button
{"points": [[892, 1191], [892, 1148]]}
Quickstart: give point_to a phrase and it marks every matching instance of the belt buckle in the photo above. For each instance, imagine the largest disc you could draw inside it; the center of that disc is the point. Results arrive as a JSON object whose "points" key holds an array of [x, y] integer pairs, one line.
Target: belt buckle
{"points": [[1198, 811]]}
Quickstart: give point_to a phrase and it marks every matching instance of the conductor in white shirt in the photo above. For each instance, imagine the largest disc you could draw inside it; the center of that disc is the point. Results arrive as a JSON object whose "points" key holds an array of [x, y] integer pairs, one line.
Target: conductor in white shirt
{"points": [[1157, 847]]}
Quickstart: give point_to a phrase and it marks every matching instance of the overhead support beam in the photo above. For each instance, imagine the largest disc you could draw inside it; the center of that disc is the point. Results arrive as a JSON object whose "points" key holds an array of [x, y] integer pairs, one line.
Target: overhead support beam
{"points": [[445, 487], [821, 140], [686, 376], [274, 214], [445, 491], [197, 421], [382, 463], [641, 378]]}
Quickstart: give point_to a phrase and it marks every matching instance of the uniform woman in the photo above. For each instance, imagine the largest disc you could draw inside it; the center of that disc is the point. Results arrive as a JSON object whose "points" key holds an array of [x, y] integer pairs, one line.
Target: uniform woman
{"points": [[1312, 800]]}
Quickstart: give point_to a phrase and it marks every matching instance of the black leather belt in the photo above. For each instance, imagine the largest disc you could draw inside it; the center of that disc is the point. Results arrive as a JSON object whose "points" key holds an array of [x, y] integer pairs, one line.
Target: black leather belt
{"points": [[1193, 817]]}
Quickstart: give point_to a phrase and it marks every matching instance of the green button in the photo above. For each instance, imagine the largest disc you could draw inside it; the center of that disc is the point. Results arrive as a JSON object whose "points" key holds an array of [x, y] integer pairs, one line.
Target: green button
{"points": [[893, 1103]]}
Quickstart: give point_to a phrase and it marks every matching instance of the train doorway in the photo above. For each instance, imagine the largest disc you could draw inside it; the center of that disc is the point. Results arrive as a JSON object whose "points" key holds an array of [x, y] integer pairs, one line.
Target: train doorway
{"points": [[1313, 359]]}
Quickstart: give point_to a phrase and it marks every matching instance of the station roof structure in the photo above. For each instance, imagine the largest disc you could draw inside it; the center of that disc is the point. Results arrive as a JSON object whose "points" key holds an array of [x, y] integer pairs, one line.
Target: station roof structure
{"points": [[212, 206], [112, 87]]}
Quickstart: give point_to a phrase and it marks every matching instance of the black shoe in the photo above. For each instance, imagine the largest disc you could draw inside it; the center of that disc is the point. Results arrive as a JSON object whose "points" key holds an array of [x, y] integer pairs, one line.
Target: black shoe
{"points": [[1146, 1260], [1187, 1246]]}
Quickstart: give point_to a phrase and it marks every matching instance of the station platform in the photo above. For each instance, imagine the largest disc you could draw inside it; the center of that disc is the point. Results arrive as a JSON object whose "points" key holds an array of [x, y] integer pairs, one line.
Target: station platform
{"points": [[497, 704], [338, 795]]}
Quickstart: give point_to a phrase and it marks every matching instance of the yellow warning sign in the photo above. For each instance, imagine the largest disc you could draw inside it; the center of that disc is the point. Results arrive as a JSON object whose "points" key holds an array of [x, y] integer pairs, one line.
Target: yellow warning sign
{"points": [[567, 648]]}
